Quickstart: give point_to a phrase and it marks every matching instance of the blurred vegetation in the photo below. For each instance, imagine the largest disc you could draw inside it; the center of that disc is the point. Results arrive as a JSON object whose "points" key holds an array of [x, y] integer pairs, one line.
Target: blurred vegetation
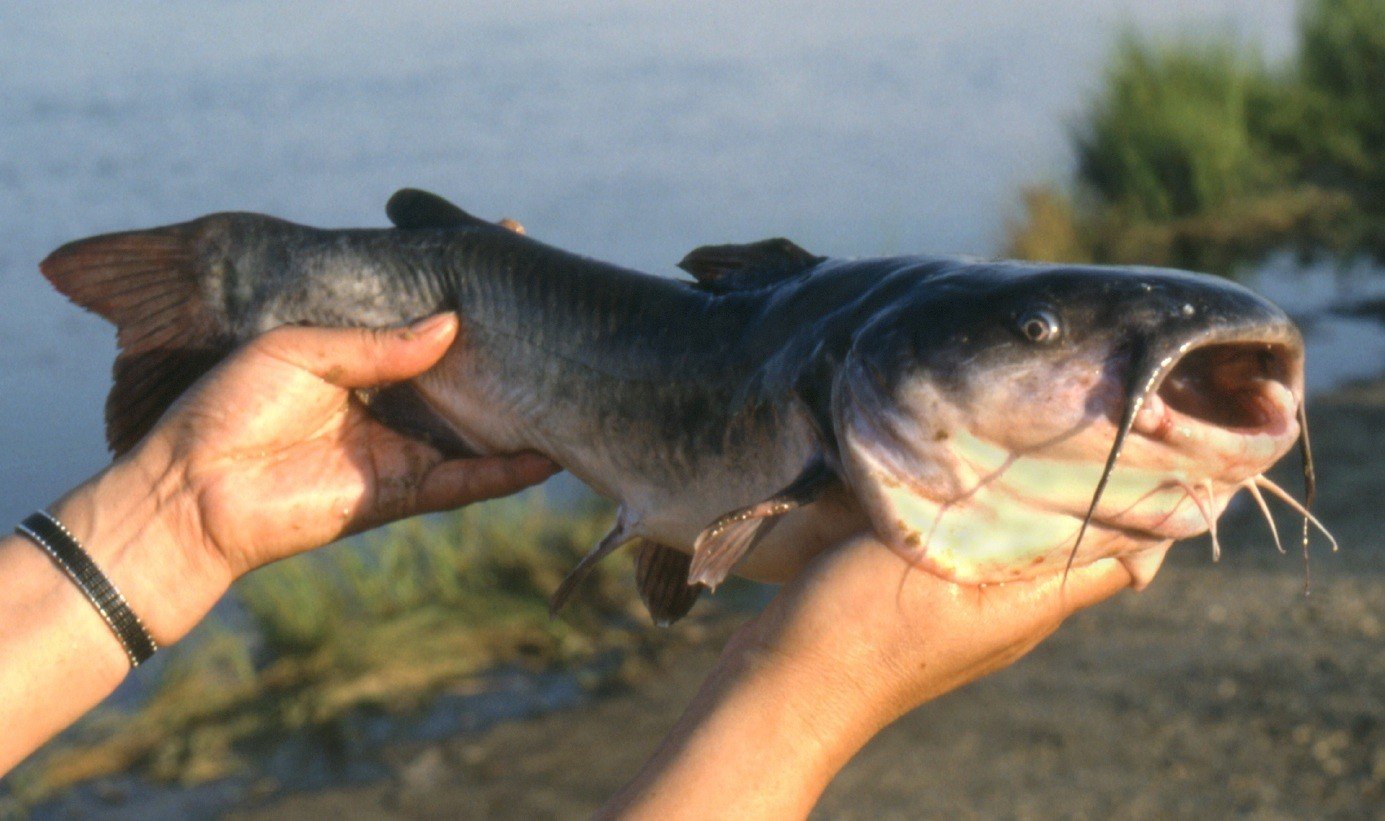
{"points": [[379, 625], [1197, 154]]}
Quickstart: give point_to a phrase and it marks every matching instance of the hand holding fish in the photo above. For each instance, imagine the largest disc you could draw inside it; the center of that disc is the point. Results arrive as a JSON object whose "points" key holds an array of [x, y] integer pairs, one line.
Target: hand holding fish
{"points": [[272, 455], [1025, 439], [852, 643], [279, 457], [268, 456]]}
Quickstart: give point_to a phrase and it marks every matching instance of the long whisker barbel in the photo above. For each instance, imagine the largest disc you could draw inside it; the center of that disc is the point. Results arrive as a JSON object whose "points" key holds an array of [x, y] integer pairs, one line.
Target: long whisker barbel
{"points": [[1249, 484], [1309, 481], [1208, 512], [1307, 518], [1212, 519], [1135, 399]]}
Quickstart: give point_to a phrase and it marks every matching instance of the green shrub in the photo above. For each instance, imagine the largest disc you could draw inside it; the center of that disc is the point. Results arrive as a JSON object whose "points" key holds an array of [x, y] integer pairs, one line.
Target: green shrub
{"points": [[1173, 132], [1194, 154]]}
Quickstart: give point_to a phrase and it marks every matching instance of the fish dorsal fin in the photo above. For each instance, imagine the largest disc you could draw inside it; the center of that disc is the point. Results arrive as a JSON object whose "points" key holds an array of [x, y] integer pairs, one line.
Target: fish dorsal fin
{"points": [[413, 208], [730, 537], [662, 576], [722, 268]]}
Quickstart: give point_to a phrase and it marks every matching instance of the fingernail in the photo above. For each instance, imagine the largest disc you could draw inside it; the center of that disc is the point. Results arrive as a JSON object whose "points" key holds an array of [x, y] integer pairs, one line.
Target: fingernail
{"points": [[539, 463], [430, 325]]}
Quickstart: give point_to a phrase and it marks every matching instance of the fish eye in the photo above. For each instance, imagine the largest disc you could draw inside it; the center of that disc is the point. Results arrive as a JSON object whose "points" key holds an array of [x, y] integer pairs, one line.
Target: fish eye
{"points": [[1039, 326]]}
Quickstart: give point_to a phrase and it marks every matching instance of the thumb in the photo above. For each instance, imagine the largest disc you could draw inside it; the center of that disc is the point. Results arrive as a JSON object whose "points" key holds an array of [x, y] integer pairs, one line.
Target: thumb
{"points": [[364, 357], [1096, 582]]}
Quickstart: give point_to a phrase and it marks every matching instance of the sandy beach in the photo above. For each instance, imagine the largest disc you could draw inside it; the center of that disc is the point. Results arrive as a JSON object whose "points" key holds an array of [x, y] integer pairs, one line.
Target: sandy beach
{"points": [[1221, 690]]}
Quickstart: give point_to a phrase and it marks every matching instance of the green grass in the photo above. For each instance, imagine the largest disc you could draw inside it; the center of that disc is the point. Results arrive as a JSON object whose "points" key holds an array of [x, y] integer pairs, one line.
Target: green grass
{"points": [[379, 624]]}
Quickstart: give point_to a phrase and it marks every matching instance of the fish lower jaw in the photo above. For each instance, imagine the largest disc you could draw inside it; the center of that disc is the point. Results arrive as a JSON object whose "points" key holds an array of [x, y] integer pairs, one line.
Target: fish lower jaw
{"points": [[1269, 432], [1141, 552]]}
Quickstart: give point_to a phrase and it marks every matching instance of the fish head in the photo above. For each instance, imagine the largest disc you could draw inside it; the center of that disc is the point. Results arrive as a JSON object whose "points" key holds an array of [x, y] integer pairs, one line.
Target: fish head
{"points": [[1000, 420]]}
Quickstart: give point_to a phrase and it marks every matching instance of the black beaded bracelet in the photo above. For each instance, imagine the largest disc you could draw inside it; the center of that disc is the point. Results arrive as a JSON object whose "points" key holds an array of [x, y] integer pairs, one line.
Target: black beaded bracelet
{"points": [[49, 534]]}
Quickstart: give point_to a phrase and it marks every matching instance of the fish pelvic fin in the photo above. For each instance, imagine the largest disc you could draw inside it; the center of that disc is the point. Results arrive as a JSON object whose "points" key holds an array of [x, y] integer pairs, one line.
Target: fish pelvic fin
{"points": [[622, 532], [724, 542], [661, 573], [148, 283]]}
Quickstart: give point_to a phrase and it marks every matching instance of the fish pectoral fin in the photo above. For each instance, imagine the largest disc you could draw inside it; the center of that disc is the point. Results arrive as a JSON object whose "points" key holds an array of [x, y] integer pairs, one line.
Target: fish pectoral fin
{"points": [[661, 573], [725, 541], [413, 208], [619, 535], [744, 267]]}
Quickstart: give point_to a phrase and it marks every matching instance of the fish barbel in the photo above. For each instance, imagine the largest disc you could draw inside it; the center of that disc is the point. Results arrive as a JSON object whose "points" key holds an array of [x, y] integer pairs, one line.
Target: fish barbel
{"points": [[989, 421]]}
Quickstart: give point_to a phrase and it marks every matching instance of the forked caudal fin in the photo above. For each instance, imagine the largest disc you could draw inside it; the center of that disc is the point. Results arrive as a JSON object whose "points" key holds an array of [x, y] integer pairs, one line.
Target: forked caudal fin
{"points": [[147, 283]]}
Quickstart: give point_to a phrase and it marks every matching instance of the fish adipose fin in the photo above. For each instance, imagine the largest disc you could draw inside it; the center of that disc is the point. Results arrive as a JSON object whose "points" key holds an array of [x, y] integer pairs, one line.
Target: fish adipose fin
{"points": [[412, 208], [730, 537], [146, 282], [619, 535], [661, 573], [722, 268]]}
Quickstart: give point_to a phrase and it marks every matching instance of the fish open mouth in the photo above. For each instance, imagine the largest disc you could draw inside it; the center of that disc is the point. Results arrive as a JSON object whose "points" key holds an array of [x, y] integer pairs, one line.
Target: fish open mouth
{"points": [[1240, 388], [1230, 403]]}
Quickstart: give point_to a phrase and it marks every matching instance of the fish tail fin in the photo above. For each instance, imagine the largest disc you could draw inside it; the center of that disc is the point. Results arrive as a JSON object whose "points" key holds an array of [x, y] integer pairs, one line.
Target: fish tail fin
{"points": [[150, 285]]}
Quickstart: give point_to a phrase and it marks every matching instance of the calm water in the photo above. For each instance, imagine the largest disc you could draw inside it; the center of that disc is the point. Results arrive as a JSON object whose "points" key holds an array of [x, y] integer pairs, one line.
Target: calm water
{"points": [[620, 130]]}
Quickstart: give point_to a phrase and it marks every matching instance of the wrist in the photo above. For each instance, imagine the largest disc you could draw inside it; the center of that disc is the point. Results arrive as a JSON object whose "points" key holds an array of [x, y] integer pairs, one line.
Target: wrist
{"points": [[824, 702], [763, 738], [137, 520]]}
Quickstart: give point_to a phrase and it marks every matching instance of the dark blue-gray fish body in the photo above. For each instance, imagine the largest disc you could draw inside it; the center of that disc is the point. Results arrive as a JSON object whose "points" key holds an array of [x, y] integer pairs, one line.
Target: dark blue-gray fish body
{"points": [[971, 414]]}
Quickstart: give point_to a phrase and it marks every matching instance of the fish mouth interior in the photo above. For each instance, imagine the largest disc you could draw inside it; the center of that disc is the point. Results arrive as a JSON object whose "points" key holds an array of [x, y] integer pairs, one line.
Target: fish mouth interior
{"points": [[1233, 385]]}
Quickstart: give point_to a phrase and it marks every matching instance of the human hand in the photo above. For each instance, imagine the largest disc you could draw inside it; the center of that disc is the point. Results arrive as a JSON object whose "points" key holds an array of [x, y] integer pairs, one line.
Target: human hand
{"points": [[268, 455], [280, 457], [878, 637], [271, 454], [855, 640]]}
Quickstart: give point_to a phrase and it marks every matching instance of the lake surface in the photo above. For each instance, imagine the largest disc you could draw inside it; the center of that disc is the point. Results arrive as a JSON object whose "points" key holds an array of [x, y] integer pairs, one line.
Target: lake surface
{"points": [[623, 130]]}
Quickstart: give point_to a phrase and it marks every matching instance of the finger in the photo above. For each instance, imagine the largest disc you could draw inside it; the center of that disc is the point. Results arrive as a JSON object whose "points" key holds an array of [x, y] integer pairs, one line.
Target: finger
{"points": [[364, 357], [460, 482], [1093, 583]]}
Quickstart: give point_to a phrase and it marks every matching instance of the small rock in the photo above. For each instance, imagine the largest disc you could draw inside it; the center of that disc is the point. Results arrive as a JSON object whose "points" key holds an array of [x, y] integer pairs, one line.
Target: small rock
{"points": [[111, 793], [426, 771], [473, 755]]}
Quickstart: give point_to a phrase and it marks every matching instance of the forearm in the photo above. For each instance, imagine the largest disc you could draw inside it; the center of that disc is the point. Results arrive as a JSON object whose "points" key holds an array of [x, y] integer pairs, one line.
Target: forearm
{"points": [[762, 739], [58, 657]]}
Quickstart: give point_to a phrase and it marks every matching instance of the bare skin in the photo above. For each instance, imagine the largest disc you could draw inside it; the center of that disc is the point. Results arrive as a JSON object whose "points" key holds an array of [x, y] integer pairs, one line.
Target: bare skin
{"points": [[269, 456], [853, 642]]}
